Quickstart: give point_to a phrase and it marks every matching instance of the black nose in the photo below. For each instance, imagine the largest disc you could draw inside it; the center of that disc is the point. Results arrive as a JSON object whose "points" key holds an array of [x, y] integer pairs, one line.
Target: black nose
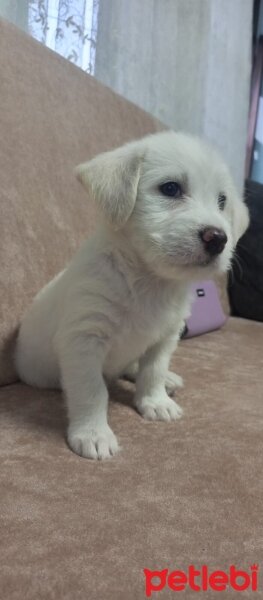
{"points": [[214, 240]]}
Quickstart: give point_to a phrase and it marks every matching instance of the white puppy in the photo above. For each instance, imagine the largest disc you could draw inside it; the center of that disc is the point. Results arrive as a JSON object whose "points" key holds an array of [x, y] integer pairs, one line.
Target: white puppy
{"points": [[169, 215]]}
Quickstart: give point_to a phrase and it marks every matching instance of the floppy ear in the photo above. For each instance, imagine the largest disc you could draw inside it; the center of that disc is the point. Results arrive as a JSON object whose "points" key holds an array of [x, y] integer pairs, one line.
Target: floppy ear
{"points": [[240, 219], [113, 179]]}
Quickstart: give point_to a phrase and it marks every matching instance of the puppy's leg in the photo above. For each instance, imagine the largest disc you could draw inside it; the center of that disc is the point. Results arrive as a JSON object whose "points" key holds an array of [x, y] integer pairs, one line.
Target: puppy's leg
{"points": [[172, 380], [131, 372], [151, 398], [89, 434]]}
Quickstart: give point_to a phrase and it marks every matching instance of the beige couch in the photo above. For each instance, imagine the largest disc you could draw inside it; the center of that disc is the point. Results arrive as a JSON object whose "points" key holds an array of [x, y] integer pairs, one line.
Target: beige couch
{"points": [[178, 494]]}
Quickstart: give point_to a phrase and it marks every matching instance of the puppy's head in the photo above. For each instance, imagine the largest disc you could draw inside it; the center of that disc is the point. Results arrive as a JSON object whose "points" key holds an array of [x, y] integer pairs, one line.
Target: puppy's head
{"points": [[173, 198]]}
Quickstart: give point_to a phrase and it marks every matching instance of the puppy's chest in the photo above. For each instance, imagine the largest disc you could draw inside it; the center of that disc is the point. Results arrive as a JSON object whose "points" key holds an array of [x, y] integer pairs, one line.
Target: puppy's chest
{"points": [[147, 320]]}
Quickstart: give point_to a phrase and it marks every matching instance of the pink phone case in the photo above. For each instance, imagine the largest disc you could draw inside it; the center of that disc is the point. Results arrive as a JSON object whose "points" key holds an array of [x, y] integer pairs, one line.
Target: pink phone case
{"points": [[207, 313]]}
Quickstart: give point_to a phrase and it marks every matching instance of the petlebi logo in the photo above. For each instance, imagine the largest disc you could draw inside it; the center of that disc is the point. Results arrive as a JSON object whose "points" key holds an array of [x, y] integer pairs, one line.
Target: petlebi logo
{"points": [[202, 580]]}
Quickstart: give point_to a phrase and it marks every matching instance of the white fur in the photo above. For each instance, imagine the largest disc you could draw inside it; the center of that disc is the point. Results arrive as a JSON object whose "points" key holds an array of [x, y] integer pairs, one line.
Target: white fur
{"points": [[124, 296]]}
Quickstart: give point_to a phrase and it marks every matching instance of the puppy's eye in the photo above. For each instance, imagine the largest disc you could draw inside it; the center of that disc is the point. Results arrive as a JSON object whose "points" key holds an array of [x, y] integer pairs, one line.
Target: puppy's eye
{"points": [[221, 201], [171, 189]]}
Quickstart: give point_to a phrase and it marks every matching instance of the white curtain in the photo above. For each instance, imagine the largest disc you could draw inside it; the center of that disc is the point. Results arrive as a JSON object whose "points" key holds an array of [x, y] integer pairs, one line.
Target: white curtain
{"points": [[67, 26], [185, 61]]}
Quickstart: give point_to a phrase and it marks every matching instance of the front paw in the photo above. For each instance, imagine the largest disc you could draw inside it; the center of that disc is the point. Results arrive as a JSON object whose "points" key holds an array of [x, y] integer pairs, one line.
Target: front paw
{"points": [[158, 408], [93, 442]]}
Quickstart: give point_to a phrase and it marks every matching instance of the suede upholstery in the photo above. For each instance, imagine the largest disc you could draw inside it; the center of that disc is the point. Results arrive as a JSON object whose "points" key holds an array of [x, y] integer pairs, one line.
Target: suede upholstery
{"points": [[183, 493]]}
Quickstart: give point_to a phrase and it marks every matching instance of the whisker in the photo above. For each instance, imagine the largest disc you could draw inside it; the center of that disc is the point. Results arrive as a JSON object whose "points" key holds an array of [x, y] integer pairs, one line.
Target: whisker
{"points": [[236, 260], [242, 247]]}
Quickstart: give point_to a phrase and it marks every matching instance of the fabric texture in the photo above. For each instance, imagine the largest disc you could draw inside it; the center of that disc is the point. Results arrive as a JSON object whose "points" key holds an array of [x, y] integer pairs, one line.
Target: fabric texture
{"points": [[183, 493]]}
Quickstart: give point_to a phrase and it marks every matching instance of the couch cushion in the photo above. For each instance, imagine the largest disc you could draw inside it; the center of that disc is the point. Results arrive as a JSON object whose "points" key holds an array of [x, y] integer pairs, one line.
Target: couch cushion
{"points": [[52, 117], [178, 494]]}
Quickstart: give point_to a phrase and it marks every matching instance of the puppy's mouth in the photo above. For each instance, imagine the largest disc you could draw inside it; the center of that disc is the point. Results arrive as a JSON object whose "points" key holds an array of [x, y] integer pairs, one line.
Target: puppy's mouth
{"points": [[207, 261], [197, 267], [193, 260]]}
